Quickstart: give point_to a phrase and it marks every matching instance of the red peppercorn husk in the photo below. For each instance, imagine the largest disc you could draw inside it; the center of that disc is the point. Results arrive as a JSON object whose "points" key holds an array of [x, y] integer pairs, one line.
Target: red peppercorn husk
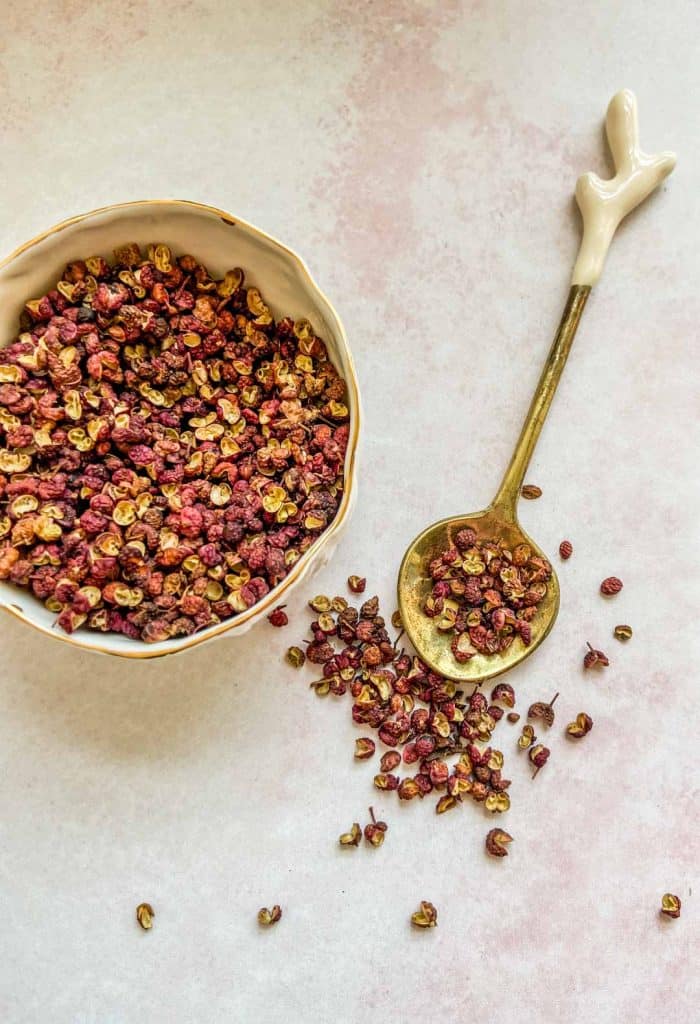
{"points": [[595, 658], [566, 549], [278, 617], [611, 585]]}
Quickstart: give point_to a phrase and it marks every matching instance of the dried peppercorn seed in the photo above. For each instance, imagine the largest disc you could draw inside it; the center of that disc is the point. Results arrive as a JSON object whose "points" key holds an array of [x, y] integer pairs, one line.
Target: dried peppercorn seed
{"points": [[580, 727], [425, 916], [357, 584], [566, 549], [670, 905], [622, 633], [611, 585], [496, 842], [513, 717], [268, 917], [183, 447], [144, 915], [278, 617], [531, 491]]}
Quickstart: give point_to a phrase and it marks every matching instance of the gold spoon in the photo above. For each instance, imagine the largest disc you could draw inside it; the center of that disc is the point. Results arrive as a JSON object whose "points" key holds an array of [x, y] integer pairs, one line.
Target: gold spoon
{"points": [[603, 205]]}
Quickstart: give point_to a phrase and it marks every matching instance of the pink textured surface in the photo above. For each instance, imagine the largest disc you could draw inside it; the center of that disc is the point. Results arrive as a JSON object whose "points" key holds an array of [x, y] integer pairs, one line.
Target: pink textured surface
{"points": [[422, 156]]}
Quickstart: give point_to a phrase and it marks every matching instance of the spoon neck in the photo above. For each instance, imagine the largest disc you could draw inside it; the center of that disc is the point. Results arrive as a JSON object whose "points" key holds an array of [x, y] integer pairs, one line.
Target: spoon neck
{"points": [[506, 499]]}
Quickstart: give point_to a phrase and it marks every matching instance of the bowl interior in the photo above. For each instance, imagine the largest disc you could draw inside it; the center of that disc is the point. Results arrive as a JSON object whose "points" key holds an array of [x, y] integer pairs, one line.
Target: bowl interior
{"points": [[221, 242]]}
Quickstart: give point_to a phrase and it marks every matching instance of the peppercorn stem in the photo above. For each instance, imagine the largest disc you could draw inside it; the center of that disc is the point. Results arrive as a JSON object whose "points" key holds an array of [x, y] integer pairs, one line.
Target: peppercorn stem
{"points": [[507, 495]]}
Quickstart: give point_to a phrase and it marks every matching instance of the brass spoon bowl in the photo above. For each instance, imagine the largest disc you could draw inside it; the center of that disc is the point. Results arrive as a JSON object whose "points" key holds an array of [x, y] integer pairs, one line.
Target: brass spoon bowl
{"points": [[603, 205]]}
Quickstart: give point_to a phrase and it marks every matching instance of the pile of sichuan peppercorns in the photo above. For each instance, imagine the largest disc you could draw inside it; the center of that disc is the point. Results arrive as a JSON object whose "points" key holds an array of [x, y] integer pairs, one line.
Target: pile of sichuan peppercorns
{"points": [[485, 595], [167, 449], [413, 710]]}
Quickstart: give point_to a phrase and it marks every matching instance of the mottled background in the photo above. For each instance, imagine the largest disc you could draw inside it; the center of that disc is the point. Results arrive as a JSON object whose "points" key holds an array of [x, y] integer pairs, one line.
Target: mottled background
{"points": [[422, 156]]}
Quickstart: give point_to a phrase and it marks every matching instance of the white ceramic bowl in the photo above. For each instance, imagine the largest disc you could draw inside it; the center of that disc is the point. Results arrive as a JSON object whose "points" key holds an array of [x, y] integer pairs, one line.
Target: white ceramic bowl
{"points": [[220, 241]]}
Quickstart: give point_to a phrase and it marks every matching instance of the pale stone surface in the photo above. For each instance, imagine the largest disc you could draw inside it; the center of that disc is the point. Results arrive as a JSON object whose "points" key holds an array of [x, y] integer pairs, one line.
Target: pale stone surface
{"points": [[422, 156]]}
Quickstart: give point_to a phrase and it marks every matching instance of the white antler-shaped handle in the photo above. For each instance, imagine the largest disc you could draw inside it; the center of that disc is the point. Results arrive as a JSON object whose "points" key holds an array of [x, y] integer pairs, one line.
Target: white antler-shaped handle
{"points": [[603, 204]]}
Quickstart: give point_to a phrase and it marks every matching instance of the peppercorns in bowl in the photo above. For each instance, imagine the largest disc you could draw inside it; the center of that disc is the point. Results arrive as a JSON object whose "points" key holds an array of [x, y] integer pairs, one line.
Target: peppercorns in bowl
{"points": [[179, 417]]}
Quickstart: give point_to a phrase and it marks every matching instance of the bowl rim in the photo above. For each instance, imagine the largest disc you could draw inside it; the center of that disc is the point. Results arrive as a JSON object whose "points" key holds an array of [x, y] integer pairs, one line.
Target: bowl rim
{"points": [[141, 650]]}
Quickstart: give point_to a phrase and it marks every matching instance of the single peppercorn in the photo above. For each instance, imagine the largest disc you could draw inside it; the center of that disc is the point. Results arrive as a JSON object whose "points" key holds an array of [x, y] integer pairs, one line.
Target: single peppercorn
{"points": [[144, 915], [581, 727], [623, 633], [425, 916], [539, 756], [566, 549], [364, 748], [611, 585], [497, 841], [351, 838], [531, 491], [670, 905], [543, 711], [357, 584], [269, 917], [278, 617], [375, 830], [295, 656], [513, 717], [595, 658]]}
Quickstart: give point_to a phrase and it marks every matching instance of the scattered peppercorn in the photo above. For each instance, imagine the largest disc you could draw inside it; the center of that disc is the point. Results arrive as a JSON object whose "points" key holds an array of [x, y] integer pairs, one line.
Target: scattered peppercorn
{"points": [[267, 917], [566, 549], [543, 711], [611, 585], [295, 656], [357, 584], [496, 842], [364, 748], [484, 595], [513, 717], [423, 718], [353, 837], [168, 450], [390, 760], [581, 727], [144, 915], [278, 617], [538, 756], [623, 633], [396, 620], [425, 917], [527, 737], [375, 830], [503, 693], [670, 905], [531, 491], [595, 658]]}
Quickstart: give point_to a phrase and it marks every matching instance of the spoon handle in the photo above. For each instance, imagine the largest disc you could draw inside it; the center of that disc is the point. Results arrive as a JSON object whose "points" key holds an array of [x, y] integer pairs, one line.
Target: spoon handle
{"points": [[603, 205]]}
